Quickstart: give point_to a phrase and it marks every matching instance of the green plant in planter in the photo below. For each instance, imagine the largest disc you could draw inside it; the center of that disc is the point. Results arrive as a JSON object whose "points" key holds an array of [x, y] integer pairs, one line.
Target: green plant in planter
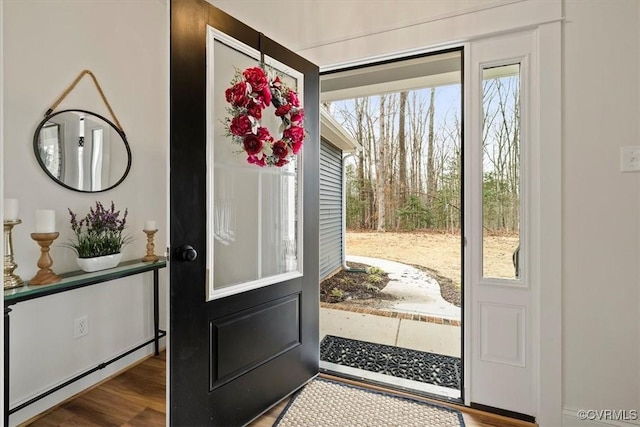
{"points": [[99, 233]]}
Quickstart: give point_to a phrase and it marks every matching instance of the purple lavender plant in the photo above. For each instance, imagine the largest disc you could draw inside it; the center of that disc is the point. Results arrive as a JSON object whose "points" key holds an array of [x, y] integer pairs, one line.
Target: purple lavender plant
{"points": [[100, 232]]}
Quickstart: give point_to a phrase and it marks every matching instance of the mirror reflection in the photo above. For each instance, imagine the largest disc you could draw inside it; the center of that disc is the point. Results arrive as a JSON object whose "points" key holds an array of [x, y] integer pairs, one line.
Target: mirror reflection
{"points": [[82, 151]]}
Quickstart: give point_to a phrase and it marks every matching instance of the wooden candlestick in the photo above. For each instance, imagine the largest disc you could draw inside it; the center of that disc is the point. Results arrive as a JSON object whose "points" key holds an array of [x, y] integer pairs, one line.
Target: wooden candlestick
{"points": [[45, 276], [150, 256], [11, 280]]}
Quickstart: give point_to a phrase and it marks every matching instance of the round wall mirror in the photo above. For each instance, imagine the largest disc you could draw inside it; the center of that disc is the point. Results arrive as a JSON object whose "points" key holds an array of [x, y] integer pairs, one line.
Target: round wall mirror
{"points": [[82, 151]]}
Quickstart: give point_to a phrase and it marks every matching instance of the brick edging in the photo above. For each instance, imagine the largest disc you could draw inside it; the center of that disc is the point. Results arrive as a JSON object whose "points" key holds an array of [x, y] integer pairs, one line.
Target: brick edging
{"points": [[394, 314]]}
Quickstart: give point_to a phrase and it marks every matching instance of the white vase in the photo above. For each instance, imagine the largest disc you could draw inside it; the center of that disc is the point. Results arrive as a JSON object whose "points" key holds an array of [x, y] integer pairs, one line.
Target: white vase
{"points": [[99, 263]]}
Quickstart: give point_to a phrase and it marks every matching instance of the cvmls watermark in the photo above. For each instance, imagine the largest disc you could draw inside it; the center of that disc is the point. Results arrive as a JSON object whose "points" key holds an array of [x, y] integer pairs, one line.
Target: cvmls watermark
{"points": [[608, 414]]}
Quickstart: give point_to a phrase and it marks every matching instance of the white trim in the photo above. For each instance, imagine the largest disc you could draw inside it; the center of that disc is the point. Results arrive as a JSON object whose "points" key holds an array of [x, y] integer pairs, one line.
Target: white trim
{"points": [[546, 260], [526, 139], [331, 130], [285, 69], [343, 163], [167, 225], [215, 294], [254, 284], [467, 185], [232, 289], [443, 33], [214, 34], [430, 19]]}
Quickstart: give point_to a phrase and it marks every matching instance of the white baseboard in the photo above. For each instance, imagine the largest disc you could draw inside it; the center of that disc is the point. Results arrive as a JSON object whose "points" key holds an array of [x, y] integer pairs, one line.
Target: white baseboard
{"points": [[570, 418]]}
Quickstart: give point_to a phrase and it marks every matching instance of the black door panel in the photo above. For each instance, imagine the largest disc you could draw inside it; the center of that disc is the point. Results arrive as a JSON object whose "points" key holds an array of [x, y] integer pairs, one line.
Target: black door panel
{"points": [[232, 358]]}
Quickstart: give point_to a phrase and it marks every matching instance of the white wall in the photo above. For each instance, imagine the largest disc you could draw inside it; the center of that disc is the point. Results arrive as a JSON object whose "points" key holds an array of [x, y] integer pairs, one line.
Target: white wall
{"points": [[601, 206], [46, 45]]}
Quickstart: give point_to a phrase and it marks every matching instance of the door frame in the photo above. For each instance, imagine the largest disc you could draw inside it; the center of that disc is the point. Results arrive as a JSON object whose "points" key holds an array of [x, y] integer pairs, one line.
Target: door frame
{"points": [[546, 171], [393, 59]]}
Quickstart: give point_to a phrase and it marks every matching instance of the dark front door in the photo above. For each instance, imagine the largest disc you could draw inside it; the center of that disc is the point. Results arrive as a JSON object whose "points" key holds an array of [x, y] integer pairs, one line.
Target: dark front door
{"points": [[244, 238]]}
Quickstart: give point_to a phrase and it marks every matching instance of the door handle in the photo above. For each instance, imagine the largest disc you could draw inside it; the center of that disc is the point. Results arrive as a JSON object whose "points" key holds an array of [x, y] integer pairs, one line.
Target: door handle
{"points": [[185, 253]]}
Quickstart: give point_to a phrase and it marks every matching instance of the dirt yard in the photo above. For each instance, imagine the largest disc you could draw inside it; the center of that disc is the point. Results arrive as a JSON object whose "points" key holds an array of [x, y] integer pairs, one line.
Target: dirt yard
{"points": [[437, 251]]}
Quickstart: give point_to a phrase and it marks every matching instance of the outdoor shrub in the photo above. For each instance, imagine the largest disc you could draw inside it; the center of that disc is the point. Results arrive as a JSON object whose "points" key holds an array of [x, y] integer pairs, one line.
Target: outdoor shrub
{"points": [[337, 293], [373, 278], [371, 287], [375, 271]]}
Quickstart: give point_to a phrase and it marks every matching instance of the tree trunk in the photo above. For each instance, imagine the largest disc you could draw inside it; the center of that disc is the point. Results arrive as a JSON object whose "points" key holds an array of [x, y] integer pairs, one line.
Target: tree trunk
{"points": [[370, 168], [417, 125], [432, 183], [402, 152], [380, 168], [362, 194]]}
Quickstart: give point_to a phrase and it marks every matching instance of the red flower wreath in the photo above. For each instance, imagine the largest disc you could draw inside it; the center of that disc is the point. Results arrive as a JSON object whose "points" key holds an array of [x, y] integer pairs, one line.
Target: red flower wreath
{"points": [[251, 92]]}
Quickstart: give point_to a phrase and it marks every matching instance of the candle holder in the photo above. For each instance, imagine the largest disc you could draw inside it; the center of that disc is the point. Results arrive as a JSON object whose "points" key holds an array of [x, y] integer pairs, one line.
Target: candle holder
{"points": [[150, 256], [10, 280], [45, 276]]}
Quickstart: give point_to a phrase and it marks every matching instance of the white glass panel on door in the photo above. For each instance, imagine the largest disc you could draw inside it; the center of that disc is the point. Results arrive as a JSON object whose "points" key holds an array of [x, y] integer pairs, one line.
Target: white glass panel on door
{"points": [[253, 226]]}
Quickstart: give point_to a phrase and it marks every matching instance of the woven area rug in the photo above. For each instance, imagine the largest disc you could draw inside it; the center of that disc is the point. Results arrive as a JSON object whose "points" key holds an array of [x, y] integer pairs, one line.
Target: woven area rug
{"points": [[325, 403]]}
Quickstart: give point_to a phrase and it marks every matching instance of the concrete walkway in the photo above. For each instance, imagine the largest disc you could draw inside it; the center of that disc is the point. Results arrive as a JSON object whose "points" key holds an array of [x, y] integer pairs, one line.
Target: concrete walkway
{"points": [[417, 292], [423, 336]]}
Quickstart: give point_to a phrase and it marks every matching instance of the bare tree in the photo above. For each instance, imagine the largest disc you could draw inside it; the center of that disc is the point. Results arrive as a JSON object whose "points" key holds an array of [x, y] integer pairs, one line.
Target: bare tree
{"points": [[380, 167], [361, 182], [501, 170], [418, 130], [408, 173], [432, 183], [402, 151]]}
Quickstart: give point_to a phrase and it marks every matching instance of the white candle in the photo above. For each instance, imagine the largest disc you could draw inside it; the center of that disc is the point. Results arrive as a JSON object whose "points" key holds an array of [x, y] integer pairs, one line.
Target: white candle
{"points": [[10, 209], [149, 225], [45, 221]]}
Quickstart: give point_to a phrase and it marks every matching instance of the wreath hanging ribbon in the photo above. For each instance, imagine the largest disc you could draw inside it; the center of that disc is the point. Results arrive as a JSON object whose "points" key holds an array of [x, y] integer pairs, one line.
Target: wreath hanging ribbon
{"points": [[250, 93]]}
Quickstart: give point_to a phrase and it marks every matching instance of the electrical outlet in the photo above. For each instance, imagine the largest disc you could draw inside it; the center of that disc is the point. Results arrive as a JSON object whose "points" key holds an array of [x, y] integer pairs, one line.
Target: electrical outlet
{"points": [[80, 327]]}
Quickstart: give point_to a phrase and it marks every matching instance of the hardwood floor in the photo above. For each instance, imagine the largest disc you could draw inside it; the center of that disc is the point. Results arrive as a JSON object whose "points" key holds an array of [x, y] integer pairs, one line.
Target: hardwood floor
{"points": [[136, 398]]}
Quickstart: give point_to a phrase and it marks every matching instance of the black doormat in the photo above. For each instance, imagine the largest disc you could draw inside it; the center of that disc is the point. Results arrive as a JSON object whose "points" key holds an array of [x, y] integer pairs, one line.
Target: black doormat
{"points": [[414, 365]]}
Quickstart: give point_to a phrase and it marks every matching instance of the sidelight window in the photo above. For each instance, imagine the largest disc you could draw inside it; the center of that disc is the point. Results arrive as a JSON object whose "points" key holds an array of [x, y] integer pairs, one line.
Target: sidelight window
{"points": [[501, 146]]}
